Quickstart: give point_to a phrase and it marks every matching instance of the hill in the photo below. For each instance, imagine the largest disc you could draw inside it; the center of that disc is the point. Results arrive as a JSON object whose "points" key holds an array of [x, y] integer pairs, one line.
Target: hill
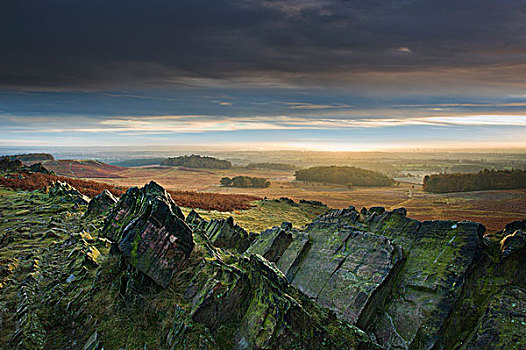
{"points": [[197, 161], [83, 168], [32, 157], [483, 180], [344, 175]]}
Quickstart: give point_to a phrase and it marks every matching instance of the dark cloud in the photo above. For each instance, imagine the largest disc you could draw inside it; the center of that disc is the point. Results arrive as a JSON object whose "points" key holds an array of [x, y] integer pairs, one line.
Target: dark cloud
{"points": [[105, 44]]}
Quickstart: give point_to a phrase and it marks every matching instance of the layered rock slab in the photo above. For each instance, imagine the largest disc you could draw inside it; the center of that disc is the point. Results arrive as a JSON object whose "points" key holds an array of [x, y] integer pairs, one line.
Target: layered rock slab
{"points": [[222, 233], [335, 265], [440, 257], [149, 229]]}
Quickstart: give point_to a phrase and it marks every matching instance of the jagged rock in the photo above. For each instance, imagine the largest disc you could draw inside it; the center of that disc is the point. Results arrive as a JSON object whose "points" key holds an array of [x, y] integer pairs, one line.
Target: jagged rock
{"points": [[150, 231], [195, 220], [39, 168], [7, 164], [377, 210], [512, 244], [68, 192], [353, 264], [101, 204], [255, 298], [316, 203], [224, 233]]}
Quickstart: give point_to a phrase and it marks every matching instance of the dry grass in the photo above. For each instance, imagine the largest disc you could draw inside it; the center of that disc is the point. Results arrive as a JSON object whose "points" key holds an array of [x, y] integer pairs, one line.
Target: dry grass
{"points": [[492, 208]]}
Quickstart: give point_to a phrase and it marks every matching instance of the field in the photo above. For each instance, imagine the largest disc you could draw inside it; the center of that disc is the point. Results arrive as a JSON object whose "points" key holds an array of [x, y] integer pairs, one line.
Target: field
{"points": [[492, 208]]}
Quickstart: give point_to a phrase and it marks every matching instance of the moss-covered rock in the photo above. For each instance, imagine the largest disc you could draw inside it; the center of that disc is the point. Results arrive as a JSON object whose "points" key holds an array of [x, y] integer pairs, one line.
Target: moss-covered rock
{"points": [[149, 229]]}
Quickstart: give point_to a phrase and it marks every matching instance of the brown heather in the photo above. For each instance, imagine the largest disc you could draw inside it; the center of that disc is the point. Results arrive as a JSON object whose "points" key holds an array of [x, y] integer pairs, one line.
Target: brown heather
{"points": [[188, 199]]}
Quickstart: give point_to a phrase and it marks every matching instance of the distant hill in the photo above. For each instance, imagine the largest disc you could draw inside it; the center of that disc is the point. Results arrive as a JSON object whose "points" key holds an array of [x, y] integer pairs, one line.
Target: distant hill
{"points": [[245, 182], [272, 166], [344, 175], [32, 157], [197, 161], [483, 180], [83, 168]]}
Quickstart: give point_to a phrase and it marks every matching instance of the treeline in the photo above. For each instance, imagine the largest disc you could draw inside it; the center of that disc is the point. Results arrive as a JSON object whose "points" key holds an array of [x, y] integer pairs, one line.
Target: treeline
{"points": [[197, 161], [245, 182], [344, 175], [272, 166], [483, 180]]}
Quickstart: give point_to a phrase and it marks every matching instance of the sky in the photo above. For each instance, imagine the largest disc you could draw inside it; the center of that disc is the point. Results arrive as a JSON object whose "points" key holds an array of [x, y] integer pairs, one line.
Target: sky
{"points": [[269, 74]]}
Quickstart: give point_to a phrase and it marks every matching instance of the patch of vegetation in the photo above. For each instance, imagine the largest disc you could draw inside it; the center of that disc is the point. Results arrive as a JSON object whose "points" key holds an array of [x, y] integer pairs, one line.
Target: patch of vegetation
{"points": [[272, 166], [481, 181], [245, 182], [344, 175], [266, 214], [197, 161]]}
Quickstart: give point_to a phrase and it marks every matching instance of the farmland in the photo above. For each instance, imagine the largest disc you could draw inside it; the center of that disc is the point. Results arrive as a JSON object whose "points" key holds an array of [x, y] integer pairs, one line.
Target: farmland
{"points": [[492, 208]]}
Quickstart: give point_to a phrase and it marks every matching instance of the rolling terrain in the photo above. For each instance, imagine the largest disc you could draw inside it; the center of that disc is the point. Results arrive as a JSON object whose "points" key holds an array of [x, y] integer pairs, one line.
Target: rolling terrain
{"points": [[492, 208]]}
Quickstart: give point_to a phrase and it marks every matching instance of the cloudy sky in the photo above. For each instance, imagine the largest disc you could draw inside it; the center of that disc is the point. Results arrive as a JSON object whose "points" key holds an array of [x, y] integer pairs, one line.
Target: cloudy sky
{"points": [[326, 74]]}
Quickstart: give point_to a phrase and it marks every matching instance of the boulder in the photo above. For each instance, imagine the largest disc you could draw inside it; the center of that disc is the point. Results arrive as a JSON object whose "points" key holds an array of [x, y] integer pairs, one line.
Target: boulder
{"points": [[101, 204], [149, 230]]}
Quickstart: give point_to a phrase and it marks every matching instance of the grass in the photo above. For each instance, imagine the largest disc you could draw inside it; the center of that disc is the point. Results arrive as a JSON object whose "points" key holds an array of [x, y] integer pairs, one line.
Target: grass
{"points": [[266, 214]]}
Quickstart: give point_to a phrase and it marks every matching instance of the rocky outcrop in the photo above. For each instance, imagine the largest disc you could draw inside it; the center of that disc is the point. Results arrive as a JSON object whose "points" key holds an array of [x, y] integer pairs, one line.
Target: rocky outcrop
{"points": [[315, 203], [396, 277], [351, 279], [67, 193], [14, 164], [149, 230], [257, 301], [39, 168], [101, 204], [336, 265], [7, 164]]}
